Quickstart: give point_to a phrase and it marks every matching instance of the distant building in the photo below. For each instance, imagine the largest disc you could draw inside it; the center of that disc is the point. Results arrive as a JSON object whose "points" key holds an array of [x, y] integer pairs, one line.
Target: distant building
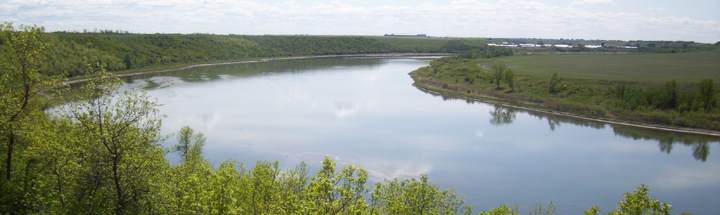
{"points": [[406, 35], [593, 46], [527, 45], [562, 46]]}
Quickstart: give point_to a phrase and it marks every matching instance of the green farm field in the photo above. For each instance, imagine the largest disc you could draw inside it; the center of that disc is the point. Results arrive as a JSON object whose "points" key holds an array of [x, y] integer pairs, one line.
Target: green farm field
{"points": [[658, 89], [683, 67]]}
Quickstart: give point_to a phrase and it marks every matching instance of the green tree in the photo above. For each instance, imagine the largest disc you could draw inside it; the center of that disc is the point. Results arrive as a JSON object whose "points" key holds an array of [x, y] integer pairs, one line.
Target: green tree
{"points": [[499, 73], [670, 95], [707, 94], [594, 210], [502, 210], [510, 79], [123, 131], [343, 192], [554, 83], [637, 203], [411, 196], [189, 144], [541, 210], [20, 84]]}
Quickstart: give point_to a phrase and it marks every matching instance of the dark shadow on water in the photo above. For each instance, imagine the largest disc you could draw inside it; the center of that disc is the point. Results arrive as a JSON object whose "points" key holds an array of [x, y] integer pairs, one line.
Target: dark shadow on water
{"points": [[220, 72], [151, 81]]}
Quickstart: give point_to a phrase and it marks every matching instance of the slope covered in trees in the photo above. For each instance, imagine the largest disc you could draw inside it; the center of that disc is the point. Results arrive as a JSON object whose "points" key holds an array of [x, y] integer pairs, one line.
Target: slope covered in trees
{"points": [[72, 52]]}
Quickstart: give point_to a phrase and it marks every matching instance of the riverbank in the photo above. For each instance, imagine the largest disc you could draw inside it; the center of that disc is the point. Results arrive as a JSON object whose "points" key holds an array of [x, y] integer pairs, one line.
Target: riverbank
{"points": [[516, 105], [183, 67], [525, 105], [613, 94]]}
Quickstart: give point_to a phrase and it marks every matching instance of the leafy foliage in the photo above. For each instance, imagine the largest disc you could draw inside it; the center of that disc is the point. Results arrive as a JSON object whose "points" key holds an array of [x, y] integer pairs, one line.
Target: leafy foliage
{"points": [[499, 72], [636, 203], [554, 85], [510, 79], [707, 94], [189, 144], [410, 196], [69, 53], [502, 210]]}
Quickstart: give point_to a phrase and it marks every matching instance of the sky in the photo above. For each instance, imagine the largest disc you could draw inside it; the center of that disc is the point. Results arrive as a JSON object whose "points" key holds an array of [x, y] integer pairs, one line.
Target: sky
{"points": [[688, 20]]}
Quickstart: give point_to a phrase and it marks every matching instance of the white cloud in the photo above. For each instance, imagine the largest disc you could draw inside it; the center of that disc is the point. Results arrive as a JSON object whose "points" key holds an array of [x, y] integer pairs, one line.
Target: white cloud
{"points": [[595, 2], [682, 177], [465, 18], [479, 134], [657, 9]]}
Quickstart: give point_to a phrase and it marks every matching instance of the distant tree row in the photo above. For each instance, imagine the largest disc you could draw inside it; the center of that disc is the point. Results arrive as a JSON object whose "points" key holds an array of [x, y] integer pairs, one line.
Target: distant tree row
{"points": [[668, 98]]}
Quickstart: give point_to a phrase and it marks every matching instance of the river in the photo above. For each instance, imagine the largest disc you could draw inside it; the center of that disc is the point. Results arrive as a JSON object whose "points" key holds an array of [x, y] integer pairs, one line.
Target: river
{"points": [[365, 111]]}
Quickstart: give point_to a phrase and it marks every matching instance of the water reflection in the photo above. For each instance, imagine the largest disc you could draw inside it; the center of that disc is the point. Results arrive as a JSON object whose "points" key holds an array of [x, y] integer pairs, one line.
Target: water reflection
{"points": [[503, 115], [369, 116], [240, 70], [700, 143]]}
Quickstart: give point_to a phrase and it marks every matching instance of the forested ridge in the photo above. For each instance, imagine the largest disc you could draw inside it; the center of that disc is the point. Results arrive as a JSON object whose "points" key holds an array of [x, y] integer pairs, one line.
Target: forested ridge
{"points": [[72, 52], [102, 154]]}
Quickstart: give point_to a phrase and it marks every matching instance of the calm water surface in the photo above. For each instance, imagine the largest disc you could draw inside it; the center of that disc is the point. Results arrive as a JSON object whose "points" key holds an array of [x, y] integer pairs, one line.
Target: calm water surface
{"points": [[366, 112]]}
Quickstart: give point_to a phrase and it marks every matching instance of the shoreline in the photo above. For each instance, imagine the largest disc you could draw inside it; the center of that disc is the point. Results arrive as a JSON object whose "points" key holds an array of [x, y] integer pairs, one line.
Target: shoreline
{"points": [[489, 100], [431, 90], [384, 55]]}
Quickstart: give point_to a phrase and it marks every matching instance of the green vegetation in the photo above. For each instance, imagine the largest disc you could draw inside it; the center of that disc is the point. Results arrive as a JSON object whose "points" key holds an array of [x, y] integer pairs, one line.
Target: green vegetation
{"points": [[683, 67], [101, 154], [72, 52], [662, 89]]}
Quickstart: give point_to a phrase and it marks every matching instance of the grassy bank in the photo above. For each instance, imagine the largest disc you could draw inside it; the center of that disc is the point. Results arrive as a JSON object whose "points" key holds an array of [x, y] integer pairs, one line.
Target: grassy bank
{"points": [[659, 89]]}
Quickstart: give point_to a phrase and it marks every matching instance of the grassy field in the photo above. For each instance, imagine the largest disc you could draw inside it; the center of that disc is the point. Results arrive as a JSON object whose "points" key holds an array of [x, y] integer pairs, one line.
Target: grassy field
{"points": [[682, 67], [631, 87]]}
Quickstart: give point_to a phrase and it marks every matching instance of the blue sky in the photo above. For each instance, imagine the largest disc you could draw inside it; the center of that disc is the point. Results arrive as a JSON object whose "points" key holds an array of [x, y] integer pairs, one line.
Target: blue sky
{"points": [[696, 20]]}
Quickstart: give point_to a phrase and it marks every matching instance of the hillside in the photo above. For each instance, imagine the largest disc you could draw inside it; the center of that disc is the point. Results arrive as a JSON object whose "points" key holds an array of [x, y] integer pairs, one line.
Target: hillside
{"points": [[72, 52]]}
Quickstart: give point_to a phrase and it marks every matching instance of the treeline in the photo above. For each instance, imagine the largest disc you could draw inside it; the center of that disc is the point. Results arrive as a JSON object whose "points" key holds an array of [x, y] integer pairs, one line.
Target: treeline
{"points": [[641, 46], [667, 98], [274, 46], [669, 46], [70, 53], [668, 105], [488, 52]]}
